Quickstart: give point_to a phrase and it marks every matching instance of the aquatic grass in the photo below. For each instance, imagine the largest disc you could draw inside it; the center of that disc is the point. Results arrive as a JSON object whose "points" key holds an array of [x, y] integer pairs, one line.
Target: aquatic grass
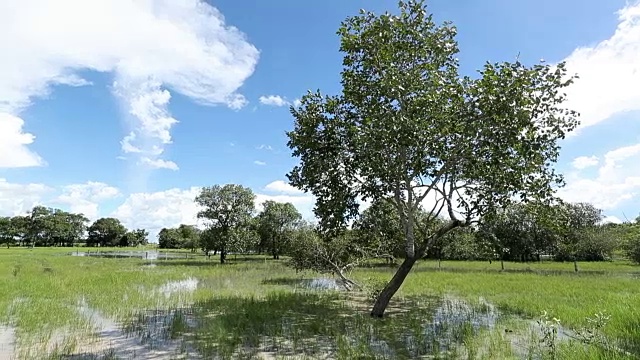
{"points": [[254, 306]]}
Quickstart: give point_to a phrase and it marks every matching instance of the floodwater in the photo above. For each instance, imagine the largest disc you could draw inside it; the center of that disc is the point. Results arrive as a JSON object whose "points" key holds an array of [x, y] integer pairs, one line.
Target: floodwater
{"points": [[7, 342], [170, 288], [112, 341], [322, 284], [148, 255]]}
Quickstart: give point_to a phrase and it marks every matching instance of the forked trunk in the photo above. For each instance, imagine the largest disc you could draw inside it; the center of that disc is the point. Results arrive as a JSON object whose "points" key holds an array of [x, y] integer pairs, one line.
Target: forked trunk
{"points": [[392, 287]]}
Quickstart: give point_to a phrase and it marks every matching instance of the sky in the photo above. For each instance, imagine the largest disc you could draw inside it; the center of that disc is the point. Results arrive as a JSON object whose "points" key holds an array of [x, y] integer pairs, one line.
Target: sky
{"points": [[125, 108]]}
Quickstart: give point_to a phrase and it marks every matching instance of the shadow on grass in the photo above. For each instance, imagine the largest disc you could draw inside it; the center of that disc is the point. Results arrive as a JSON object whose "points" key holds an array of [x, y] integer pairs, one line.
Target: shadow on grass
{"points": [[285, 281], [543, 272], [327, 325]]}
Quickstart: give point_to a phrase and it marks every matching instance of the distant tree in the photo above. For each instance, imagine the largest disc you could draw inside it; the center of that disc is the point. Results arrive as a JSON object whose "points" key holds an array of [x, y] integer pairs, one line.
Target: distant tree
{"points": [[575, 222], [105, 232], [21, 226], [7, 232], [407, 126], [275, 223], [190, 236], [227, 209], [66, 229], [134, 238], [379, 230], [169, 238]]}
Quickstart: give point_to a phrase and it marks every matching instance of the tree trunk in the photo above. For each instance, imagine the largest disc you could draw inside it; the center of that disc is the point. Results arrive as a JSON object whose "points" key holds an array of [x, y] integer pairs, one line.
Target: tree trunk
{"points": [[575, 265], [392, 287], [223, 256], [502, 264]]}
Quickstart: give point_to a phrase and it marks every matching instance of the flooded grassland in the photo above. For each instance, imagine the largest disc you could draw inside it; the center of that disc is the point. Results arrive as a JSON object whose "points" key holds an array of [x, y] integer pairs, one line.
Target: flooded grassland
{"points": [[181, 306]]}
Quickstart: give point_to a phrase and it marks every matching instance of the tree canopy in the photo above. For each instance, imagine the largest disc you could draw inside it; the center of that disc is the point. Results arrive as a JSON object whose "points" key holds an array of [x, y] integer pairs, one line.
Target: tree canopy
{"points": [[409, 127], [227, 210]]}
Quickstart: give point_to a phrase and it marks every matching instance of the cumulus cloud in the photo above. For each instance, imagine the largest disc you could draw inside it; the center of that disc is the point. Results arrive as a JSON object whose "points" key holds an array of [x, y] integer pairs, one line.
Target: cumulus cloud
{"points": [[159, 164], [609, 72], [273, 100], [618, 180], [86, 198], [151, 47], [264, 147], [583, 162], [14, 152], [16, 199], [280, 186], [154, 211]]}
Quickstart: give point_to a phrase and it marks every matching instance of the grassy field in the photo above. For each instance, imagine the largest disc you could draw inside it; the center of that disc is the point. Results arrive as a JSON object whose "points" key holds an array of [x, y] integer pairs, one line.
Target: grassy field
{"points": [[59, 306]]}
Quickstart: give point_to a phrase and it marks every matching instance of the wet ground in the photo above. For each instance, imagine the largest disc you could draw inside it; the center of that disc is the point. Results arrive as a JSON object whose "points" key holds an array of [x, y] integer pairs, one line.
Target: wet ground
{"points": [[148, 254], [160, 333]]}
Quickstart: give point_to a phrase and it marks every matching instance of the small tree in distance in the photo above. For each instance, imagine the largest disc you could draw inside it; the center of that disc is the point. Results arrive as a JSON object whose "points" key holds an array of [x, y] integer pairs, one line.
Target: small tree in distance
{"points": [[409, 128], [228, 210]]}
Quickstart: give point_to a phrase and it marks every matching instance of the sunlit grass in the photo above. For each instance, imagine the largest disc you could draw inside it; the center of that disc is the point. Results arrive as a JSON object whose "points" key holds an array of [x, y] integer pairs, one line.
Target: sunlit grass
{"points": [[254, 304]]}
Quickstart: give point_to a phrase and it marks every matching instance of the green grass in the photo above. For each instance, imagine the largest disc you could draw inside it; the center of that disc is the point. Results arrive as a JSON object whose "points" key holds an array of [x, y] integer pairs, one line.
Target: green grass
{"points": [[254, 305]]}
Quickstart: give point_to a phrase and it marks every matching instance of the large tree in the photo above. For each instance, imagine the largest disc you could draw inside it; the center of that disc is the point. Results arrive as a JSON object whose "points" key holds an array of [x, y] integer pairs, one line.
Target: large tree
{"points": [[106, 232], [227, 210], [275, 223], [409, 127]]}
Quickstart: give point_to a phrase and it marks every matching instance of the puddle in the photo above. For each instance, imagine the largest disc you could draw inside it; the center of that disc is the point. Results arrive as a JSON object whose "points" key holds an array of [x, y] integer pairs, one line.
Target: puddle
{"points": [[188, 285], [149, 340], [7, 342], [147, 255], [322, 284]]}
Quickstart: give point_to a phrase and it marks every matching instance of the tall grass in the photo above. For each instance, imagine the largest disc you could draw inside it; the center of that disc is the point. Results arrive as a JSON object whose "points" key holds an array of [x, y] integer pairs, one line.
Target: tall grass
{"points": [[255, 306]]}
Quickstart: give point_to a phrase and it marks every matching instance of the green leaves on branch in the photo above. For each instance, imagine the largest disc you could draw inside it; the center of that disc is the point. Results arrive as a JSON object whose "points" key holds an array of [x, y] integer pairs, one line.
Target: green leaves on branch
{"points": [[227, 211], [407, 124]]}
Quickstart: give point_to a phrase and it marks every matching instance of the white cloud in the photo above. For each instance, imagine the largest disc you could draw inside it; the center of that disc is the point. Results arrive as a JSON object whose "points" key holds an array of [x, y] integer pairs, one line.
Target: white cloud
{"points": [[618, 180], [297, 103], [170, 208], [273, 100], [159, 163], [154, 211], [583, 162], [13, 144], [304, 203], [280, 186], [16, 199], [609, 72], [151, 47], [260, 163], [265, 147], [611, 219], [86, 198]]}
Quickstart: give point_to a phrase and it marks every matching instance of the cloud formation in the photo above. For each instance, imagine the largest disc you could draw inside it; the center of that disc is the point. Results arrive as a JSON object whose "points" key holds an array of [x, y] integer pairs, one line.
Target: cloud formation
{"points": [[583, 162], [609, 73], [273, 100], [618, 180], [151, 47]]}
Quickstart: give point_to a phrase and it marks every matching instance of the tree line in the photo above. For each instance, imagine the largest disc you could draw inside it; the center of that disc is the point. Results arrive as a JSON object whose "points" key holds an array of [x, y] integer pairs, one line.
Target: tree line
{"points": [[44, 226], [233, 225]]}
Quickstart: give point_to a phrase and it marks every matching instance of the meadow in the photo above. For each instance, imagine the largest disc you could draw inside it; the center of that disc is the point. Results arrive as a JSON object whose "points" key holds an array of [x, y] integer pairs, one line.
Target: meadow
{"points": [[57, 306]]}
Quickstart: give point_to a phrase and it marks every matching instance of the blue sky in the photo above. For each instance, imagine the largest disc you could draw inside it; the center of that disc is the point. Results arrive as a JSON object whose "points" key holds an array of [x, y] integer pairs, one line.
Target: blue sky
{"points": [[135, 104]]}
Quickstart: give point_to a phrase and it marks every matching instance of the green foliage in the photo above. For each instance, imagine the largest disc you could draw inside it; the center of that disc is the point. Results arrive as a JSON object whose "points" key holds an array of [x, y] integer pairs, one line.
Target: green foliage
{"points": [[335, 255], [106, 232], [275, 224], [227, 210], [630, 234], [135, 238], [407, 126]]}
